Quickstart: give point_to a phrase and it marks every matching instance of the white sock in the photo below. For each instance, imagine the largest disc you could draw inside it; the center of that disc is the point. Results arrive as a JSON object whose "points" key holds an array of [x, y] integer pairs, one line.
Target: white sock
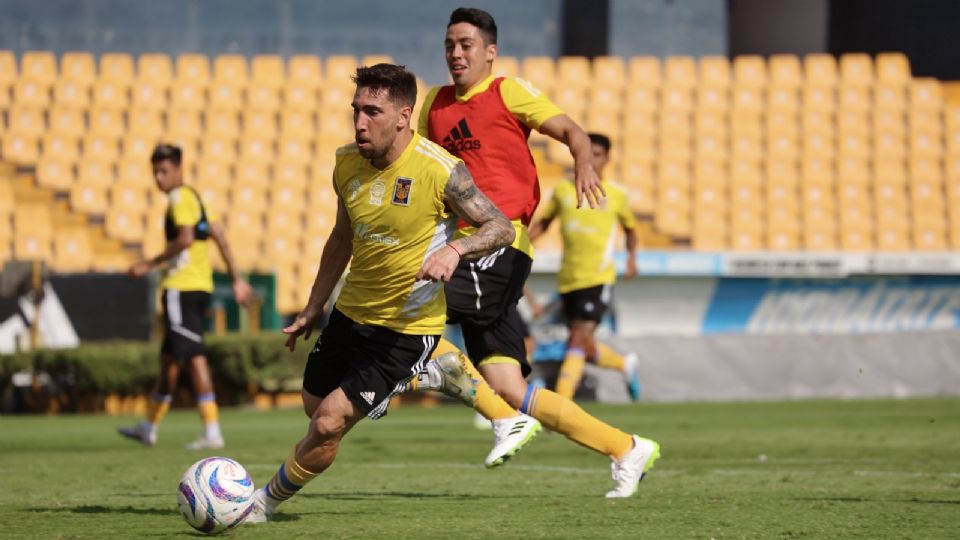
{"points": [[150, 427], [212, 430]]}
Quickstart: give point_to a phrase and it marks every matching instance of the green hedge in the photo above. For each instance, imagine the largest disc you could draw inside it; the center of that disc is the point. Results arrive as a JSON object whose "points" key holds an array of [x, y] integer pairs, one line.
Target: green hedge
{"points": [[238, 363]]}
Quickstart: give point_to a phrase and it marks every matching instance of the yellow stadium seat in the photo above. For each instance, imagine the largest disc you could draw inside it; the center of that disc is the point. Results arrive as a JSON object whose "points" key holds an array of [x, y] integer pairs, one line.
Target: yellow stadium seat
{"points": [[714, 71], [750, 71], [539, 71], [32, 246], [674, 221], [283, 249], [890, 97], [782, 123], [894, 239], [748, 99], [571, 99], [268, 70], [248, 195], [287, 197], [184, 123], [263, 97], [230, 69], [305, 71], [298, 123], [710, 146], [573, 71], [214, 197], [374, 59], [889, 144], [148, 94], [117, 68], [39, 66], [101, 146], [125, 224], [78, 67], [818, 98], [110, 94], [135, 170], [783, 99], [854, 98], [256, 148], [132, 196], [605, 99], [70, 93], [782, 146], [852, 121], [19, 148], [819, 237], [784, 70], [55, 173], [745, 172], [642, 99], [609, 72], [854, 144], [218, 149], [820, 69], [326, 145], [26, 121], [155, 68], [89, 198], [340, 69], [72, 250], [60, 146], [186, 94], [292, 173], [924, 120], [138, 146], [924, 168], [856, 69], [8, 68], [680, 71], [95, 172], [107, 122], [930, 236], [746, 147], [300, 97], [888, 121], [709, 235], [893, 68], [31, 93], [193, 70], [710, 121], [225, 95], [926, 94], [506, 66], [925, 144], [674, 126], [712, 98], [222, 123], [66, 121], [336, 98], [260, 123], [294, 149], [645, 71], [337, 123], [252, 172]]}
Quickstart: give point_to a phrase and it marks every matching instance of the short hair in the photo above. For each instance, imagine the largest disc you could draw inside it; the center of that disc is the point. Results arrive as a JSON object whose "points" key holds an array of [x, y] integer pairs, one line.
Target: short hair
{"points": [[167, 152], [400, 83], [479, 18], [600, 139]]}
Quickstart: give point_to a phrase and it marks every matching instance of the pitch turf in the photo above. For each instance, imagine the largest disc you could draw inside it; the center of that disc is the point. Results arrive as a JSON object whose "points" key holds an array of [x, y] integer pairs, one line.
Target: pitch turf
{"points": [[854, 469]]}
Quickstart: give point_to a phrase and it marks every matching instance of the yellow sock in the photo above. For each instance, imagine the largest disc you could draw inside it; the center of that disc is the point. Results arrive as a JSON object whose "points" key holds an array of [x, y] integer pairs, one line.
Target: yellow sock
{"points": [[207, 405], [571, 371], [609, 358], [289, 479], [157, 407], [566, 417]]}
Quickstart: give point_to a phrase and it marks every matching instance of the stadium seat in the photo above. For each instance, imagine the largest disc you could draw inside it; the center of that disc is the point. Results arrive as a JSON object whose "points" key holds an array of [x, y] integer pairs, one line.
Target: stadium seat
{"points": [[505, 66], [890, 144], [248, 195], [673, 220], [573, 71], [893, 69], [32, 246], [125, 224], [26, 120], [257, 148], [95, 172], [219, 149], [305, 71], [60, 146], [78, 67], [263, 97], [224, 95], [138, 146], [714, 72], [294, 149], [101, 146], [287, 197], [926, 94], [89, 198], [299, 97], [645, 71], [711, 99], [339, 70], [117, 69], [108, 122], [292, 173], [608, 72], [133, 196], [749, 72], [55, 173], [110, 94], [539, 71], [214, 197], [641, 99], [820, 70], [39, 67], [156, 69], [854, 98], [230, 69], [336, 98], [784, 70], [856, 70], [783, 99], [252, 172], [70, 93], [148, 94], [19, 148], [31, 93], [748, 99], [818, 98], [221, 123], [680, 72], [134, 169], [605, 99], [298, 123], [260, 123], [193, 70], [268, 70], [66, 121], [188, 95]]}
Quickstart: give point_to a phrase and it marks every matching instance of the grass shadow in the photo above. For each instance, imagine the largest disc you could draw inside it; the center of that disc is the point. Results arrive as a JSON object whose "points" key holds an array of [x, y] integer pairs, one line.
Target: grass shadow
{"points": [[100, 509], [913, 500], [379, 495]]}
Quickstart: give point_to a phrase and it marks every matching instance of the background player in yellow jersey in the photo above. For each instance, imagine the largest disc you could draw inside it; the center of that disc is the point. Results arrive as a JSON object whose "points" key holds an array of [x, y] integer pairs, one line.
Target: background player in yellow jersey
{"points": [[587, 271], [186, 285], [399, 196]]}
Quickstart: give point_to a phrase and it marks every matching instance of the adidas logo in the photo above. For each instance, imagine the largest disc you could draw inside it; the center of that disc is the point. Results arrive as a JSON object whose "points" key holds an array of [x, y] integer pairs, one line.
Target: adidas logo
{"points": [[368, 397], [460, 139]]}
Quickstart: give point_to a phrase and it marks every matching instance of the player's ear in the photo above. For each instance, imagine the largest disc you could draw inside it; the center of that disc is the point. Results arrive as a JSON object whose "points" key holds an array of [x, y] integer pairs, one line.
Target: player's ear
{"points": [[491, 52], [403, 121]]}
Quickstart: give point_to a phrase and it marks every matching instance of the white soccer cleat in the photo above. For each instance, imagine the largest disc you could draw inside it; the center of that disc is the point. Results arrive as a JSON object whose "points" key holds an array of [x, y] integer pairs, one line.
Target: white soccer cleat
{"points": [[480, 422], [140, 433], [510, 435], [206, 443], [457, 382], [260, 512], [629, 471]]}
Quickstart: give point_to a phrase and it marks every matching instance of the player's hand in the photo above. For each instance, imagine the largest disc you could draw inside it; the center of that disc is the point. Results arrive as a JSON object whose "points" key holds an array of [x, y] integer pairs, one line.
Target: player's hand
{"points": [[302, 325], [588, 186], [242, 291], [440, 265], [139, 269], [631, 268]]}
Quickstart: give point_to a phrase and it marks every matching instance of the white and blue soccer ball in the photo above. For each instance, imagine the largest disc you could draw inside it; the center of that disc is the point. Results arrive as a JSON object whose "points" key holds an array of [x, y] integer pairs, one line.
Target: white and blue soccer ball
{"points": [[215, 494]]}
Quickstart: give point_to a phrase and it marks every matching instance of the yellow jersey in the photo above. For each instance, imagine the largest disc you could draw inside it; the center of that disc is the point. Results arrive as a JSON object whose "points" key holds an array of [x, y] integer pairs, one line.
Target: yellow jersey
{"points": [[589, 235], [190, 270], [399, 217]]}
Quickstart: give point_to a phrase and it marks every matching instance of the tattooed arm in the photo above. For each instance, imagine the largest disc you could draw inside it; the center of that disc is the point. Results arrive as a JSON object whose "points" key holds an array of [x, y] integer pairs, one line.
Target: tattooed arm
{"points": [[493, 228]]}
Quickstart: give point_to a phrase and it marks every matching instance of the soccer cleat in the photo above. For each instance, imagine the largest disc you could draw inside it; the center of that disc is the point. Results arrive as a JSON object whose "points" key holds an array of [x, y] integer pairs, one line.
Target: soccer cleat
{"points": [[139, 433], [260, 512], [206, 443], [633, 376], [629, 471], [481, 422], [510, 435], [457, 382]]}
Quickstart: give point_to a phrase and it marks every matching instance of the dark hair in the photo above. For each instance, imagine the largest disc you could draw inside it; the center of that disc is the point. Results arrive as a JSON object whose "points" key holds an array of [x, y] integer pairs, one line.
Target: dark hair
{"points": [[479, 18], [401, 84], [165, 152], [599, 139]]}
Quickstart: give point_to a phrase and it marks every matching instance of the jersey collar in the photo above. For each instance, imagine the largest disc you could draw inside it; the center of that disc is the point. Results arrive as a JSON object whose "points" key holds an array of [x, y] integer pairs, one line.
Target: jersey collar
{"points": [[477, 88]]}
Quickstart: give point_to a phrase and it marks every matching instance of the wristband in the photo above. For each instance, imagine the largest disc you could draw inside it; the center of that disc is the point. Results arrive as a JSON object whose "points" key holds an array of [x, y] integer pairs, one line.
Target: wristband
{"points": [[455, 250]]}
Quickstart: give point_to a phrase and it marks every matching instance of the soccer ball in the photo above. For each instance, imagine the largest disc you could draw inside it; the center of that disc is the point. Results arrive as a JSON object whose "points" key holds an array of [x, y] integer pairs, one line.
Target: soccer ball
{"points": [[215, 494]]}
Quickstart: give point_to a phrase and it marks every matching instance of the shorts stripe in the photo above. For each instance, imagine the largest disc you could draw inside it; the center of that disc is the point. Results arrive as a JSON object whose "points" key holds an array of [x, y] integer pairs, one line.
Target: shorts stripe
{"points": [[381, 408], [476, 283]]}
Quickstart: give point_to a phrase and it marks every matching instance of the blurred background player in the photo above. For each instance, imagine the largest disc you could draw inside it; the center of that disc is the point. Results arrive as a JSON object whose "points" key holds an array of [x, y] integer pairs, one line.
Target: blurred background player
{"points": [[395, 192], [486, 122], [588, 270], [186, 285]]}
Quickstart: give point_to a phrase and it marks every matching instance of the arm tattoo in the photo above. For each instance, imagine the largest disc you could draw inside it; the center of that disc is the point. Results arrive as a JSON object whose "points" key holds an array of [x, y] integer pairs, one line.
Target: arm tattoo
{"points": [[493, 229]]}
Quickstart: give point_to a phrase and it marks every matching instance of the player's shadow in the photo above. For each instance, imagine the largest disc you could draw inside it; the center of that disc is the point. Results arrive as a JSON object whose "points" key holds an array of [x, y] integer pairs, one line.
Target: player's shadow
{"points": [[376, 495], [100, 509], [913, 500]]}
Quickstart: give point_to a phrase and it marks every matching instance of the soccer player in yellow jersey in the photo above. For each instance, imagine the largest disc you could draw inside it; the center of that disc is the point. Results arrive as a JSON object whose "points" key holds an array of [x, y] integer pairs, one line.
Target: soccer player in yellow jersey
{"points": [[399, 197], [587, 271], [187, 283], [485, 120]]}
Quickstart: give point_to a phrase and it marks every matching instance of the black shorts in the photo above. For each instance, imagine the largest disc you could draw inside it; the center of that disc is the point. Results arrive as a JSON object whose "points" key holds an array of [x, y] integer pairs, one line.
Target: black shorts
{"points": [[370, 363], [184, 313], [482, 298], [588, 304]]}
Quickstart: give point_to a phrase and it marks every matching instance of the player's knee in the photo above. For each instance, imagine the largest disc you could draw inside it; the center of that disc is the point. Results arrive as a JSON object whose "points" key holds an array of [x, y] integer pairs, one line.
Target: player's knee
{"points": [[513, 396], [326, 428]]}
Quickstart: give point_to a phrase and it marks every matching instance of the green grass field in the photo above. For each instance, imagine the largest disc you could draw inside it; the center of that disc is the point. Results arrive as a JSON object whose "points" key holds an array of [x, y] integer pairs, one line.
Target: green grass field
{"points": [[832, 469]]}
